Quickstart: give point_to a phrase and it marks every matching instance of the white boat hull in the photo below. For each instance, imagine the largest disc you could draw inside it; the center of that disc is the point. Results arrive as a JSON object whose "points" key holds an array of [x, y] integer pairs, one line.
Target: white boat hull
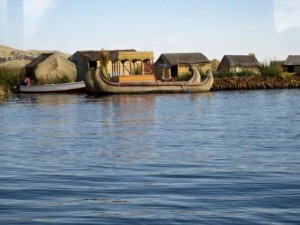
{"points": [[55, 88]]}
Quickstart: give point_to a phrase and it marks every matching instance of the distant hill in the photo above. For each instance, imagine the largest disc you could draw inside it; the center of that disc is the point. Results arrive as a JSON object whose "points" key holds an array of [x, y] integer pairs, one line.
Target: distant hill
{"points": [[11, 57]]}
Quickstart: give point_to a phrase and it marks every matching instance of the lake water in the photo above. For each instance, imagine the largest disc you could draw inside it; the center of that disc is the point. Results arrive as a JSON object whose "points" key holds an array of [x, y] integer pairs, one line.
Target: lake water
{"points": [[212, 158]]}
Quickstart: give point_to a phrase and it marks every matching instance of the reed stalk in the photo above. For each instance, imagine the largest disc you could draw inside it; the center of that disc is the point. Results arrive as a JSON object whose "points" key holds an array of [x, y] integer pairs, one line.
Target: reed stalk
{"points": [[10, 78], [104, 60]]}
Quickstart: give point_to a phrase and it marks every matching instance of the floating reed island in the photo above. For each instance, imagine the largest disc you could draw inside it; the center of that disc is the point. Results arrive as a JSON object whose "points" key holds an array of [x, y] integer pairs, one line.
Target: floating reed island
{"points": [[255, 83], [246, 73]]}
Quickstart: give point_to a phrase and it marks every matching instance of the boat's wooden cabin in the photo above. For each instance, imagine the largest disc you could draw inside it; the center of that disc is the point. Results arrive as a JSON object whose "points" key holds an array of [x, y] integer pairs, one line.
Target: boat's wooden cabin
{"points": [[129, 66], [85, 60]]}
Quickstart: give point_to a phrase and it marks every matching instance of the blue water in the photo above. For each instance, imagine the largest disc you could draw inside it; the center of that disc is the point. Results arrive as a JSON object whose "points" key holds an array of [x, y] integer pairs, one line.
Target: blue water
{"points": [[215, 158]]}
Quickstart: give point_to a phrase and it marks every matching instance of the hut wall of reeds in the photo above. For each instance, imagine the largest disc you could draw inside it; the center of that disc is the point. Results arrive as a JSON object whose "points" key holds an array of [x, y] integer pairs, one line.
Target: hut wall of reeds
{"points": [[84, 60], [214, 64], [240, 63], [172, 65], [51, 66]]}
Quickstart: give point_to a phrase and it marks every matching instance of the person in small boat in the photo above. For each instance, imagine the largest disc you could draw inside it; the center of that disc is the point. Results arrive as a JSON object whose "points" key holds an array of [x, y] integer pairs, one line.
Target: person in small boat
{"points": [[26, 81]]}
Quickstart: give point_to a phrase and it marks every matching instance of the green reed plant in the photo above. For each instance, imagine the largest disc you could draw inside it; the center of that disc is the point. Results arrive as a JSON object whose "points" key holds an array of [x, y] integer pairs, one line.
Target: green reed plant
{"points": [[224, 74], [246, 73], [10, 78], [273, 70]]}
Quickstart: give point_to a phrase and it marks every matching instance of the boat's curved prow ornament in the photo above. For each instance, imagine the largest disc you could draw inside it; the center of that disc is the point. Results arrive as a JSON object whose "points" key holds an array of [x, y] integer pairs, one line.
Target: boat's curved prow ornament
{"points": [[88, 80], [97, 83], [196, 75]]}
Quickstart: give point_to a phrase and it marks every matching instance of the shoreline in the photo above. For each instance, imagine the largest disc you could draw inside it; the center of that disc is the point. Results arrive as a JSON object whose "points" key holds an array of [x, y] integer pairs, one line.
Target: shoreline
{"points": [[236, 83], [255, 83]]}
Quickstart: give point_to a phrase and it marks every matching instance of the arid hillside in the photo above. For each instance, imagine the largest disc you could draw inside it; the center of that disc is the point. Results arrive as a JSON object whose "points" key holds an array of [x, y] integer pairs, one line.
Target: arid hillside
{"points": [[11, 57]]}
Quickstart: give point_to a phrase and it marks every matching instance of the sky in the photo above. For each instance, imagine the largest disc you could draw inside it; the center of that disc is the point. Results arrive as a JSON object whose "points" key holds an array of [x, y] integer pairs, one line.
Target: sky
{"points": [[268, 28]]}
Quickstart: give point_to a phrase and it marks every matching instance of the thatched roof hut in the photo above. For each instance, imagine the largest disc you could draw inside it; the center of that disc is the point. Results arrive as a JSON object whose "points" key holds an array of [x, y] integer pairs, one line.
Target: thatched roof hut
{"points": [[50, 66], [292, 64], [238, 63], [85, 56], [171, 59], [173, 65], [292, 60], [214, 64]]}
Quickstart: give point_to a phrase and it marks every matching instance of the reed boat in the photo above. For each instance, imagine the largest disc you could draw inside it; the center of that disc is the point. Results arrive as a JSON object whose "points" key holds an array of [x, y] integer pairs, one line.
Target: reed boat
{"points": [[97, 83], [74, 87]]}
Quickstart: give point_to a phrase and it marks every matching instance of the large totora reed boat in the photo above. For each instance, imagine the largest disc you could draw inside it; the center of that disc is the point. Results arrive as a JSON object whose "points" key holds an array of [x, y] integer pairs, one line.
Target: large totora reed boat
{"points": [[120, 79], [96, 83]]}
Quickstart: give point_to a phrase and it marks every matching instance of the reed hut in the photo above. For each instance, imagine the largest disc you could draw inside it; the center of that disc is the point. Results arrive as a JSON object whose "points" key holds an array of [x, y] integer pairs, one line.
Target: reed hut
{"points": [[174, 65], [214, 64], [50, 66], [240, 63], [292, 64], [277, 63], [84, 60]]}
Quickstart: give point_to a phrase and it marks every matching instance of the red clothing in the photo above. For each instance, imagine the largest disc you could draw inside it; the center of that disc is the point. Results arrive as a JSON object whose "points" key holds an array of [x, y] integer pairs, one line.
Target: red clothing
{"points": [[27, 81]]}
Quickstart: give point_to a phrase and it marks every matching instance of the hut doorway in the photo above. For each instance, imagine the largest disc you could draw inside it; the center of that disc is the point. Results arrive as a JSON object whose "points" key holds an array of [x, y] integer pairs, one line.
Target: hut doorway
{"points": [[93, 64], [174, 71], [291, 69]]}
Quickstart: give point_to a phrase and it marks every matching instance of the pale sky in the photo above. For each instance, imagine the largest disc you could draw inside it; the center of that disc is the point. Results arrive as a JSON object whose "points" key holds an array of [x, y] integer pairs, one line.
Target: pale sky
{"points": [[268, 28]]}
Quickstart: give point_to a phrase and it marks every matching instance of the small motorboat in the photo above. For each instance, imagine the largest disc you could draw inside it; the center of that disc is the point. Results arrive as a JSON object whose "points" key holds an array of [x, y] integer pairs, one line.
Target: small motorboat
{"points": [[73, 87]]}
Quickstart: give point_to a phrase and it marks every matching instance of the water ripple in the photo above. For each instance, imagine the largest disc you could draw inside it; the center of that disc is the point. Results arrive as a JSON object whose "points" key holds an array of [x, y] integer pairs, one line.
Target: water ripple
{"points": [[216, 158]]}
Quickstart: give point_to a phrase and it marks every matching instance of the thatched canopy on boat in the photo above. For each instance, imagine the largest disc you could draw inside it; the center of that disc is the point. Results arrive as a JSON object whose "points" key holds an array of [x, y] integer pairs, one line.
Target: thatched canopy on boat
{"points": [[131, 56], [84, 60], [94, 55], [51, 66]]}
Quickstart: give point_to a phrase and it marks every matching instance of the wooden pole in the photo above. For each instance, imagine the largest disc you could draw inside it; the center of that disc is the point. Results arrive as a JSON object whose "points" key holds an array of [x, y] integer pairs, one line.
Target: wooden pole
{"points": [[130, 68], [123, 68]]}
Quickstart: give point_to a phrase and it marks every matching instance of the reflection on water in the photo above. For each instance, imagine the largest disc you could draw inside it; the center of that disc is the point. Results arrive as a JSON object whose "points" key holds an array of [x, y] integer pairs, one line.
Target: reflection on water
{"points": [[209, 158]]}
